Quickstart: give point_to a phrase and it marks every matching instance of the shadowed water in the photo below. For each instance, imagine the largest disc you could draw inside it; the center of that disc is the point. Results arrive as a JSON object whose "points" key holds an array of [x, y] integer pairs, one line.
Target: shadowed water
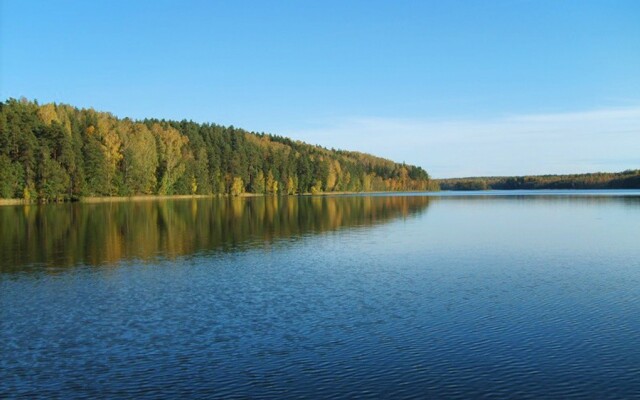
{"points": [[520, 295]]}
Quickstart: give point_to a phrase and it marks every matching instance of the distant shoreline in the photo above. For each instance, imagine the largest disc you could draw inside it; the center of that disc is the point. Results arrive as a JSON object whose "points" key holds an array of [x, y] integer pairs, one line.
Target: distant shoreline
{"points": [[629, 179]]}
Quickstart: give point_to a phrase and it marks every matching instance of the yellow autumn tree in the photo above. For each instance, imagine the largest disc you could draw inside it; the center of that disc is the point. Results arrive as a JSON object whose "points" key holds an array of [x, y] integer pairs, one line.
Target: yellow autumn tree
{"points": [[317, 187], [271, 183], [108, 134], [47, 113], [292, 185], [237, 187], [170, 144], [332, 177]]}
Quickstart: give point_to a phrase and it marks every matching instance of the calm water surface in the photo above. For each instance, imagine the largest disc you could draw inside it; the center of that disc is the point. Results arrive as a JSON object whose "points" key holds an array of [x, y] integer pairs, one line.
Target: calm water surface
{"points": [[523, 295]]}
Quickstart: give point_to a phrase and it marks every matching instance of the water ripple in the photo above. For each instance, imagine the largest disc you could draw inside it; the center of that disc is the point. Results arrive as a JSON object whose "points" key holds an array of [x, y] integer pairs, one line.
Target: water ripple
{"points": [[412, 309]]}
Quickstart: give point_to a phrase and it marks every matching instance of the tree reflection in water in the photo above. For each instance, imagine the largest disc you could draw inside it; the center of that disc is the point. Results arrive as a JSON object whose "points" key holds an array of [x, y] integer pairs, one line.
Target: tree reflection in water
{"points": [[61, 235]]}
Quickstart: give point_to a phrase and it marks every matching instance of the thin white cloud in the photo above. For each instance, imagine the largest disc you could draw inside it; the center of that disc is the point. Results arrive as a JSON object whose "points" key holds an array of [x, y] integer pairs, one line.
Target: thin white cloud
{"points": [[594, 140]]}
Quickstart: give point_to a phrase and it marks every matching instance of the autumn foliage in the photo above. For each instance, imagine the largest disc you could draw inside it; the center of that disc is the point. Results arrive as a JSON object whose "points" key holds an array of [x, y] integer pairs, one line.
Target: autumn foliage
{"points": [[56, 152]]}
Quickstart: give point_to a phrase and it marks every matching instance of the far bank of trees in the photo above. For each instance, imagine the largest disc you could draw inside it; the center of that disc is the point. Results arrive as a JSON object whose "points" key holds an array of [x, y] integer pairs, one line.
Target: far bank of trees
{"points": [[56, 152], [629, 179]]}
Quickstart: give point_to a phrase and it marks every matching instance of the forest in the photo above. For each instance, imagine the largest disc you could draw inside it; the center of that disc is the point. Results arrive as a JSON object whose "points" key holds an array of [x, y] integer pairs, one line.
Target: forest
{"points": [[629, 179], [57, 152]]}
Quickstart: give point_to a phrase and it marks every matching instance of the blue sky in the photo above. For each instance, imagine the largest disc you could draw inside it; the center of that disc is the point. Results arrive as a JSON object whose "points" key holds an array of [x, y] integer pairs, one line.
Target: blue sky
{"points": [[458, 87]]}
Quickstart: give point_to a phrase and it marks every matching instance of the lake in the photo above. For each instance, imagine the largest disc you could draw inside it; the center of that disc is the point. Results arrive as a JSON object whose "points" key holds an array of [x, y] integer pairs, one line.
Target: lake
{"points": [[447, 295]]}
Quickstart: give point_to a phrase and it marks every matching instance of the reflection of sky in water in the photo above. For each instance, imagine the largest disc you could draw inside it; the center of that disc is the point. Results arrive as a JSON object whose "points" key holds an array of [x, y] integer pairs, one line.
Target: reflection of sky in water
{"points": [[577, 225]]}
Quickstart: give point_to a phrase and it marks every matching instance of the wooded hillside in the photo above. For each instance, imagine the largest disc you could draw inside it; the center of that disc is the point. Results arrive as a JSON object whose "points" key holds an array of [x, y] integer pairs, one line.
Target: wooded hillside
{"points": [[59, 152]]}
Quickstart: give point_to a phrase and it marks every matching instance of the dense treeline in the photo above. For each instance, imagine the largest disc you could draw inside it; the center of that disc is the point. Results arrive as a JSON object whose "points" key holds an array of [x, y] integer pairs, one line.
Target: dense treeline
{"points": [[629, 179], [59, 152]]}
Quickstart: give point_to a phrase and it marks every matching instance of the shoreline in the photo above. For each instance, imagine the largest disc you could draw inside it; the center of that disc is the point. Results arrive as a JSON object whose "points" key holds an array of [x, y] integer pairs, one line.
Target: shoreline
{"points": [[108, 199], [117, 199], [15, 202]]}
